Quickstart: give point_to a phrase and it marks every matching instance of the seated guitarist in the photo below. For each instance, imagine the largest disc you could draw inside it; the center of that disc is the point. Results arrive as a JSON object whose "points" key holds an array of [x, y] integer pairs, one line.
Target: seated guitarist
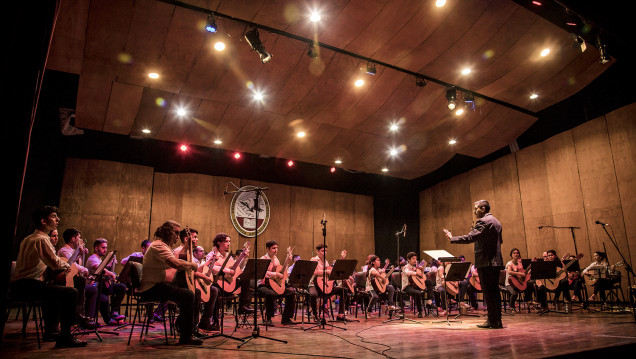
{"points": [[269, 294], [87, 294], [222, 243], [324, 268], [374, 271], [562, 286], [603, 269], [410, 269], [205, 322], [116, 291], [514, 269], [466, 287]]}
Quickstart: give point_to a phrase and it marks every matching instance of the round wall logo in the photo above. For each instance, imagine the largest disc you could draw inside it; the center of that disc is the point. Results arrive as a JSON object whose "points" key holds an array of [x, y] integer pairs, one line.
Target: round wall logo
{"points": [[243, 211]]}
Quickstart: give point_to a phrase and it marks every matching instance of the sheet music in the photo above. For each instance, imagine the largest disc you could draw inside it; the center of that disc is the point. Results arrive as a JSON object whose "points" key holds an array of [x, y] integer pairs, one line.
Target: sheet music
{"points": [[438, 253]]}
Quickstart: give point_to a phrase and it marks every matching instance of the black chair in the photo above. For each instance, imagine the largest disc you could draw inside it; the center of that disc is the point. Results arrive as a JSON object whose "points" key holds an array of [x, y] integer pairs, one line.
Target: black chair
{"points": [[135, 281], [27, 305]]}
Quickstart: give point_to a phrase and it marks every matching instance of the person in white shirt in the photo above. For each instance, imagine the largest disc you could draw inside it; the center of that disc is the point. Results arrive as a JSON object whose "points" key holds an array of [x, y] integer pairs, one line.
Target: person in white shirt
{"points": [[269, 294], [110, 291], [410, 269]]}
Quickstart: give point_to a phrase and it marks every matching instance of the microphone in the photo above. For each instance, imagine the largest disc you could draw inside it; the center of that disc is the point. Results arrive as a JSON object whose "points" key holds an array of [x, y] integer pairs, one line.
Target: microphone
{"points": [[404, 230], [540, 227], [601, 223], [324, 218]]}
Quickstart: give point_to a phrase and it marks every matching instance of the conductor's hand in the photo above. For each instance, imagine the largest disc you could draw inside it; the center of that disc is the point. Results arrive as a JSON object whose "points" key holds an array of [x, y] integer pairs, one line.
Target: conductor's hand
{"points": [[448, 233]]}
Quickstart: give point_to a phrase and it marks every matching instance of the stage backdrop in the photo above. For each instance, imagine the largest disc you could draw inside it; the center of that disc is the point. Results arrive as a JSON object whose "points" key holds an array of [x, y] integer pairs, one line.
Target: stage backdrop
{"points": [[125, 203], [572, 179]]}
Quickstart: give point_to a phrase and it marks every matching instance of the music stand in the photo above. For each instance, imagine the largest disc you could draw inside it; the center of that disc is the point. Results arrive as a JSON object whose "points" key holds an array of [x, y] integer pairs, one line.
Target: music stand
{"points": [[342, 270], [300, 277], [545, 270], [256, 268], [99, 278], [454, 272]]}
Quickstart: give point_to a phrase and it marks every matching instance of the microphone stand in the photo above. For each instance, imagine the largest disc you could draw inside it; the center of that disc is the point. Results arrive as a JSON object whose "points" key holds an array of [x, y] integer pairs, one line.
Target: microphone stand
{"points": [[628, 269], [256, 331]]}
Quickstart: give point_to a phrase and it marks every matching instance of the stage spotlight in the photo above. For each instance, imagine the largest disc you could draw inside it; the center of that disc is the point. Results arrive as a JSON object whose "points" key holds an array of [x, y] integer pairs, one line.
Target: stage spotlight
{"points": [[183, 148], [254, 40], [210, 24], [451, 97], [333, 169], [371, 68], [290, 163], [237, 155], [312, 52], [419, 81]]}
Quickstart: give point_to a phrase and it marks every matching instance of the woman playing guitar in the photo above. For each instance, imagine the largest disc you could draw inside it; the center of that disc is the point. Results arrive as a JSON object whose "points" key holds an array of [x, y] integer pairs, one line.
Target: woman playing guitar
{"points": [[376, 274], [517, 279]]}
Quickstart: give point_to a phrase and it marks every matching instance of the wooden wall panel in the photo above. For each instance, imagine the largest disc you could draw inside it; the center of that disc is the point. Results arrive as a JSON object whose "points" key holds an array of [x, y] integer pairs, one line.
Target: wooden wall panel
{"points": [[570, 180], [109, 200], [621, 125]]}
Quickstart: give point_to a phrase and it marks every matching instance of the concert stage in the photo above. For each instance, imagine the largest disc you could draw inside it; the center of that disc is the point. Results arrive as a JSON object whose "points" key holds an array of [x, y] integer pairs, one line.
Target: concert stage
{"points": [[526, 335]]}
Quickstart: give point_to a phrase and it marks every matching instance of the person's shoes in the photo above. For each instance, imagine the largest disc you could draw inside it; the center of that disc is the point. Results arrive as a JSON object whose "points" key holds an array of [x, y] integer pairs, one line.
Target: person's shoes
{"points": [[245, 310], [288, 322], [205, 325], [112, 321], [190, 341], [117, 316], [419, 314], [69, 342], [575, 298], [489, 325], [87, 323]]}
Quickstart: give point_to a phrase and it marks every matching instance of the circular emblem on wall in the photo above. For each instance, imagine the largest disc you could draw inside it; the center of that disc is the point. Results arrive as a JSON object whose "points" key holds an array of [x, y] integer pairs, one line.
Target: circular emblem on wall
{"points": [[243, 211]]}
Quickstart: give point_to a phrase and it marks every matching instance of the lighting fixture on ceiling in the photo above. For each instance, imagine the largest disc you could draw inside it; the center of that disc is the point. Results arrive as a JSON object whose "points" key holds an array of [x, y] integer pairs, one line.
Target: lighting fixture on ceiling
{"points": [[301, 134], [210, 24], [452, 142], [338, 162], [419, 81], [451, 97], [602, 49], [466, 71], [153, 75], [311, 51], [359, 83], [145, 130], [218, 142], [469, 101], [219, 46], [545, 52], [371, 68], [578, 43], [533, 96], [385, 170], [254, 40]]}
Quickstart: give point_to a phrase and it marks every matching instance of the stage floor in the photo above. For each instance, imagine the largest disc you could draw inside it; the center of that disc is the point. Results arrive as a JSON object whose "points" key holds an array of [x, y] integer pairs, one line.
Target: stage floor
{"points": [[525, 335]]}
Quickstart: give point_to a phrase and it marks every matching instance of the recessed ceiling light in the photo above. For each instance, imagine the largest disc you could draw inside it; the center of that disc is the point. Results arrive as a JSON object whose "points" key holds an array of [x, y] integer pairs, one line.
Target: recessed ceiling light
{"points": [[218, 142], [183, 148], [338, 162], [359, 83], [440, 3], [452, 142], [301, 134], [394, 127], [258, 96], [153, 75], [290, 163], [393, 152], [545, 52], [459, 111], [533, 96], [181, 112], [385, 169], [466, 71], [219, 46], [145, 130]]}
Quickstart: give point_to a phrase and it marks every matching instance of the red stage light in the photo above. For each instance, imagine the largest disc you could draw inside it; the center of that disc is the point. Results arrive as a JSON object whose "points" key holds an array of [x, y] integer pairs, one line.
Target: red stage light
{"points": [[237, 155], [290, 163], [183, 148], [333, 169]]}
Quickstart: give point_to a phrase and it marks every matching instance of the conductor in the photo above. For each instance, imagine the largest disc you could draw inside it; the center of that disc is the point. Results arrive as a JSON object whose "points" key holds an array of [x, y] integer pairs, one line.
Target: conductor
{"points": [[486, 234]]}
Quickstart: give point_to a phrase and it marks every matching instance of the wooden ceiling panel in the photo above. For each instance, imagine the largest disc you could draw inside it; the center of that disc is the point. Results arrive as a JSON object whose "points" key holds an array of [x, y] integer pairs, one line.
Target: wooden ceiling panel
{"points": [[254, 130], [93, 90], [122, 108], [232, 123], [351, 21], [67, 47], [153, 108], [108, 27]]}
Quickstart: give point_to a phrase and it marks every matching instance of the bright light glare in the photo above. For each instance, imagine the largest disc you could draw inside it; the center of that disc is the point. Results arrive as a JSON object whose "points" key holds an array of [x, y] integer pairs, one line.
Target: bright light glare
{"points": [[258, 96], [219, 46], [459, 111], [385, 169], [394, 127], [145, 130], [183, 148], [545, 52], [333, 169], [359, 83], [181, 112], [301, 134], [393, 152], [533, 96], [452, 142], [153, 75], [466, 71], [338, 162], [314, 17], [218, 142], [440, 3], [290, 163], [237, 155]]}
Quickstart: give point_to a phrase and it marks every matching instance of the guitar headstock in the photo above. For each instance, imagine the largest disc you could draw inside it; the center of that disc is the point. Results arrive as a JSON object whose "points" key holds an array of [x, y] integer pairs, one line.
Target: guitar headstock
{"points": [[387, 262], [246, 247], [343, 254], [290, 251]]}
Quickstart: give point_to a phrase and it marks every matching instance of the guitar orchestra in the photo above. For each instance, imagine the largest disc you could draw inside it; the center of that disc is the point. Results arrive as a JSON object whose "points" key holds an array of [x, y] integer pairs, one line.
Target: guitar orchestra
{"points": [[197, 281]]}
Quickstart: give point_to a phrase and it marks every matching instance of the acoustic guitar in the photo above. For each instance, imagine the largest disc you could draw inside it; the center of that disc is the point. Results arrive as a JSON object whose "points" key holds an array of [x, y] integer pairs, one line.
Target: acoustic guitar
{"points": [[418, 280], [65, 277], [204, 287], [521, 284], [591, 279], [553, 283], [189, 273], [474, 281], [278, 284], [323, 284], [380, 282], [228, 282]]}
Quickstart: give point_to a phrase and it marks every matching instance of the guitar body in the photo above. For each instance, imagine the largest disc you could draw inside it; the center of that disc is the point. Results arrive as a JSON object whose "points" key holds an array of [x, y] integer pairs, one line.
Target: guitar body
{"points": [[380, 284], [68, 276], [521, 285], [204, 289], [417, 281], [348, 283], [324, 286], [474, 281], [553, 283], [452, 288], [589, 279], [278, 284]]}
